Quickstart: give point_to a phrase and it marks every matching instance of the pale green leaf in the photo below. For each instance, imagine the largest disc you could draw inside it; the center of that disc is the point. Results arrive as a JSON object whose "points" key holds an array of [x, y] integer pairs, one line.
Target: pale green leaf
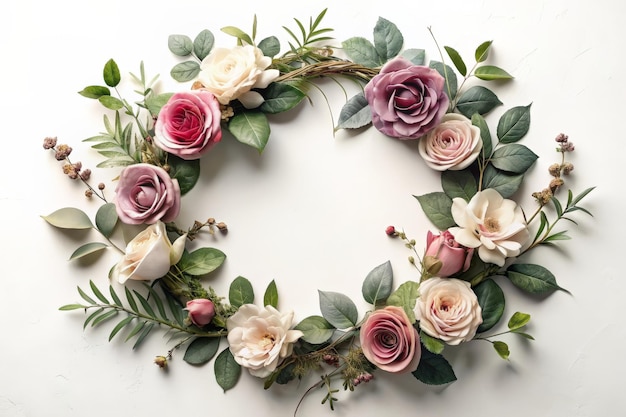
{"points": [[270, 297], [69, 218], [106, 219], [88, 249], [316, 329], [338, 309], [201, 261], [251, 128], [378, 284], [355, 113]]}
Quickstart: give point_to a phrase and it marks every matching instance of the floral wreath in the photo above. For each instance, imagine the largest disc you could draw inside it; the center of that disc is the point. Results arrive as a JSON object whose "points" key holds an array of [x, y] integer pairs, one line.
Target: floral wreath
{"points": [[481, 231]]}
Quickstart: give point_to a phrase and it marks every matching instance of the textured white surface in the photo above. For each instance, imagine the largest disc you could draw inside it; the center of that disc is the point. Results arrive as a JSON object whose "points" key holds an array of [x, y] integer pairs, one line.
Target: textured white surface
{"points": [[311, 211]]}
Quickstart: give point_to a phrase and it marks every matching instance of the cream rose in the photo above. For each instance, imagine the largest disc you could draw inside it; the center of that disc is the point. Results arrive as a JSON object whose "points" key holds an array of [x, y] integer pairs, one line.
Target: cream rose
{"points": [[454, 144], [490, 223], [232, 73], [149, 255], [259, 338], [448, 309]]}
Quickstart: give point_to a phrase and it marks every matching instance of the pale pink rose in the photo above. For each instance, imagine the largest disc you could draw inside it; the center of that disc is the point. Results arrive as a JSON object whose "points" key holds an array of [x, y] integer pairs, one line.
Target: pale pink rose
{"points": [[390, 341], [260, 338], [448, 309], [149, 255], [232, 74], [188, 125], [407, 101], [490, 223], [452, 256], [453, 144], [145, 193], [201, 311]]}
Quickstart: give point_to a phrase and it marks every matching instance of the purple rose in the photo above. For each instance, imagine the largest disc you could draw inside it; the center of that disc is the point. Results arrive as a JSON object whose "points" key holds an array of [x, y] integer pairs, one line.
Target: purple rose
{"points": [[446, 255], [406, 100], [189, 124], [145, 194]]}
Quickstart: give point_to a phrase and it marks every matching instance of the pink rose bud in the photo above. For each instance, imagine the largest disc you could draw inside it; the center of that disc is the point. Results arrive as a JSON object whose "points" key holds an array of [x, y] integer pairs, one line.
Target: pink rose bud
{"points": [[453, 256], [390, 230], [201, 311]]}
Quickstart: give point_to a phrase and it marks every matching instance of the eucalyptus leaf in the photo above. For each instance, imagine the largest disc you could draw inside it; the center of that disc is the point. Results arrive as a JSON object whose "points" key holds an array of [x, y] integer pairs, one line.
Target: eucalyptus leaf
{"points": [[459, 184], [504, 183], [531, 278], [240, 292], [378, 283], [405, 296], [180, 45], [95, 91], [416, 56], [437, 207], [280, 97], [186, 172], [69, 218], [185, 71], [226, 369], [270, 46], [111, 73], [106, 219], [434, 369], [388, 40], [316, 329], [514, 124], [492, 301], [477, 99], [491, 72], [201, 261], [154, 103], [270, 297], [88, 249], [201, 350], [251, 128], [362, 52], [514, 158], [355, 113], [338, 309], [203, 43]]}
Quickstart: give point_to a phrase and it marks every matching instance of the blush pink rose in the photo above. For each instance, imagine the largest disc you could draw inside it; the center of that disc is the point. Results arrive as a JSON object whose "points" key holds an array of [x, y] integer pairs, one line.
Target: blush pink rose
{"points": [[447, 252], [201, 311], [454, 144], [407, 101], [145, 193], [389, 340], [188, 125]]}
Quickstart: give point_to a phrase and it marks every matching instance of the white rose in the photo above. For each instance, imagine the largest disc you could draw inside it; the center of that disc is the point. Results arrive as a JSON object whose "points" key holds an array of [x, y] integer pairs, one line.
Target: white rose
{"points": [[149, 255], [454, 144], [448, 309], [490, 223], [232, 73], [260, 338]]}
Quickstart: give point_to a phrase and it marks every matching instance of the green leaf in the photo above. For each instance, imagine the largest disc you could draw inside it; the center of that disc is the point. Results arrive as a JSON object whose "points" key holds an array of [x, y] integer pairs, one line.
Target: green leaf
{"points": [[111, 73], [154, 102], [226, 370], [69, 218], [513, 158], [451, 86], [106, 219], [387, 39], [456, 60], [201, 261], [180, 45], [480, 122], [88, 249], [145, 304], [85, 297], [502, 349], [338, 309], [111, 103], [176, 308], [138, 327], [459, 184], [240, 292], [518, 320], [145, 331], [280, 97], [92, 316], [491, 300], [156, 298], [534, 279], [405, 297], [270, 298], [116, 299], [185, 172], [491, 72], [95, 91], [362, 52], [378, 283], [70, 307], [251, 128], [203, 43], [120, 326], [437, 207], [434, 369], [185, 71], [432, 344], [104, 317], [201, 350], [416, 56], [270, 46], [355, 113], [514, 124], [477, 99], [238, 33], [98, 293], [131, 300], [316, 329], [503, 182], [482, 52]]}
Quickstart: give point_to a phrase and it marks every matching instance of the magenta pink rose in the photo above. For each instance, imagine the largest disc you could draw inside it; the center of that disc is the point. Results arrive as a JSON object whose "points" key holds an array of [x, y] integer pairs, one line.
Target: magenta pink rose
{"points": [[145, 194], [189, 124], [448, 253], [201, 311], [389, 340], [406, 100]]}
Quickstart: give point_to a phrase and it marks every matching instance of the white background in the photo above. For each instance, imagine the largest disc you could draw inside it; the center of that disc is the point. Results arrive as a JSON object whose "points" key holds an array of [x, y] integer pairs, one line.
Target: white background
{"points": [[310, 212]]}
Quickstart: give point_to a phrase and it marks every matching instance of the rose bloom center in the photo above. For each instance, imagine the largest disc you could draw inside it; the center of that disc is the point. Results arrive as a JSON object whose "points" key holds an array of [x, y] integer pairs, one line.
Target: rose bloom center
{"points": [[492, 225]]}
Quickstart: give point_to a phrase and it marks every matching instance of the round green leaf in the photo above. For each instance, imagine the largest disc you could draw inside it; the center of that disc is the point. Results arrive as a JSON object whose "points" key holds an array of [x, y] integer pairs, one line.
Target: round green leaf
{"points": [[240, 292], [491, 300], [106, 219], [111, 73], [185, 71], [477, 99], [280, 97], [185, 172], [69, 218], [95, 91], [111, 103], [201, 350], [316, 329], [405, 297], [251, 128], [203, 43], [437, 207], [270, 46], [180, 45], [513, 158]]}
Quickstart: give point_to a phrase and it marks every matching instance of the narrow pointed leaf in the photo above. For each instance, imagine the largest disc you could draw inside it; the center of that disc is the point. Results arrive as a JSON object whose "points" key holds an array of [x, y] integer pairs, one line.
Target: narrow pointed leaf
{"points": [[456, 60], [270, 298], [97, 292], [131, 300], [138, 327], [492, 302], [104, 317], [120, 326], [144, 333], [69, 307], [491, 72], [534, 279], [95, 91], [88, 249], [92, 316], [482, 52], [145, 304], [85, 297], [156, 298], [115, 297]]}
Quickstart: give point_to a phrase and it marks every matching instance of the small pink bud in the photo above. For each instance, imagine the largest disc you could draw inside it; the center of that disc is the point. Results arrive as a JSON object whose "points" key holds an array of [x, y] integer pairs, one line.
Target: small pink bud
{"points": [[201, 311], [390, 230]]}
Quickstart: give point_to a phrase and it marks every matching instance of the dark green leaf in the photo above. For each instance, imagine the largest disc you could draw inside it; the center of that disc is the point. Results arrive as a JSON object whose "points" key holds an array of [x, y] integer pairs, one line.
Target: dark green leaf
{"points": [[201, 350], [106, 219], [120, 326], [514, 124], [69, 218], [116, 299], [201, 261], [226, 370], [504, 183], [280, 97], [176, 308], [477, 99], [270, 298], [491, 300], [387, 39], [534, 279], [378, 283], [270, 46], [156, 298], [180, 45], [448, 73], [456, 60], [482, 52], [485, 134], [185, 71], [95, 91], [502, 349], [145, 331], [416, 56], [97, 293], [203, 43], [434, 369], [88, 249], [575, 200], [185, 172], [491, 72], [437, 207], [251, 128], [432, 344], [85, 297], [92, 316], [514, 158], [461, 184], [316, 329], [111, 73], [240, 292], [405, 297], [145, 304], [518, 320], [355, 113], [338, 309], [138, 327], [131, 300], [104, 317], [362, 52]]}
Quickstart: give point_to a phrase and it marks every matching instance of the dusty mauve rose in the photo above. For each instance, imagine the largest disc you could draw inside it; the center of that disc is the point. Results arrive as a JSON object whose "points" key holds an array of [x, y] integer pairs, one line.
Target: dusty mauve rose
{"points": [[145, 193], [490, 223], [448, 309], [259, 338], [406, 100], [149, 255], [390, 341], [448, 253], [188, 125], [453, 144], [201, 311], [231, 74]]}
